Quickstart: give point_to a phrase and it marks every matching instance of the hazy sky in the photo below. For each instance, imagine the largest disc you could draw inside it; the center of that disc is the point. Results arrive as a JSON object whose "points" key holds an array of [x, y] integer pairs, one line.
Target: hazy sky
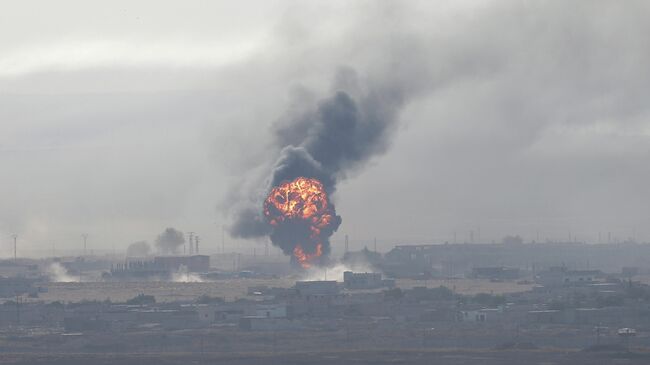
{"points": [[121, 118]]}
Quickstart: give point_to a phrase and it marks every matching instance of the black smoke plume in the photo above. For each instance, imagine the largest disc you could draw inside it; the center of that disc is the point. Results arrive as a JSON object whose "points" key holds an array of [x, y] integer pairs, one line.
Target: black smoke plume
{"points": [[326, 141]]}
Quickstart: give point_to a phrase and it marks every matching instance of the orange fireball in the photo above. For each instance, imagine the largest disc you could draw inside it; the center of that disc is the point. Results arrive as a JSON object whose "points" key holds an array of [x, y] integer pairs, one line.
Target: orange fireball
{"points": [[305, 258], [304, 200]]}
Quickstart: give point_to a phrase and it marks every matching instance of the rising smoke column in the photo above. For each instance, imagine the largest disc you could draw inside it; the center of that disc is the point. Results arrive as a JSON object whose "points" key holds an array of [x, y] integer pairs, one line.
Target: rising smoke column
{"points": [[318, 147]]}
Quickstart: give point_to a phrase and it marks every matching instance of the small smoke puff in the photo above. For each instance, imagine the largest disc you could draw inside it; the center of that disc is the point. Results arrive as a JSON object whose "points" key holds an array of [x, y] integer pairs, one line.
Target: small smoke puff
{"points": [[182, 275], [169, 241], [138, 249], [59, 274]]}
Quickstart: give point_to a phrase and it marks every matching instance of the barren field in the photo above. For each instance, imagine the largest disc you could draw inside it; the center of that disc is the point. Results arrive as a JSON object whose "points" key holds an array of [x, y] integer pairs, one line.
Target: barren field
{"points": [[234, 288], [163, 291], [450, 357]]}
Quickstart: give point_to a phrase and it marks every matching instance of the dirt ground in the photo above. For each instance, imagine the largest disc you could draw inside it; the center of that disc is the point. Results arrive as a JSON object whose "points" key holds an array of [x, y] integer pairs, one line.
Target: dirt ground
{"points": [[235, 288], [449, 357]]}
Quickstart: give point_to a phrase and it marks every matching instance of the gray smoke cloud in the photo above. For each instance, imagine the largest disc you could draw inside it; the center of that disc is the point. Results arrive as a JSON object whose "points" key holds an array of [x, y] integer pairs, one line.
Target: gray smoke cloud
{"points": [[340, 134], [327, 141], [138, 249], [536, 124], [170, 241]]}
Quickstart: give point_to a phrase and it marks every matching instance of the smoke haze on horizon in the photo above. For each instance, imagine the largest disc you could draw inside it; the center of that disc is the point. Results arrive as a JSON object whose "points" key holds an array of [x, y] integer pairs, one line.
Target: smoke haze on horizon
{"points": [[515, 117]]}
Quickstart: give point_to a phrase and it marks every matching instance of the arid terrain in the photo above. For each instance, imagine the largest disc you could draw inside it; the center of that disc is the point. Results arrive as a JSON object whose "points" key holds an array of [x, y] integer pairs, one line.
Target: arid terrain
{"points": [[232, 289], [444, 357]]}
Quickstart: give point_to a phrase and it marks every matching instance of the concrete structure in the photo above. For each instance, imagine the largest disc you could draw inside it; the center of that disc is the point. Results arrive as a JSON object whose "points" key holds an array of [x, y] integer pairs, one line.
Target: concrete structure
{"points": [[271, 310], [11, 287], [160, 268], [316, 288], [457, 259], [366, 280], [561, 276], [479, 315], [317, 299]]}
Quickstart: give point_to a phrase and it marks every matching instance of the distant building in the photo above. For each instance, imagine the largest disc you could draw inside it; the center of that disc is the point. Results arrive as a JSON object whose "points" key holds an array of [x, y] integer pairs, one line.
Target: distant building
{"points": [[495, 273], [317, 287], [550, 316], [561, 276], [316, 298], [222, 313], [162, 267], [480, 315], [366, 280], [453, 260], [11, 287], [271, 310]]}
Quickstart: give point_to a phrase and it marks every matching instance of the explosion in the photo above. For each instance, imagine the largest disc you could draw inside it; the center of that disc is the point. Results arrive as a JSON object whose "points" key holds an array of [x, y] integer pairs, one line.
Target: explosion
{"points": [[302, 219], [317, 146]]}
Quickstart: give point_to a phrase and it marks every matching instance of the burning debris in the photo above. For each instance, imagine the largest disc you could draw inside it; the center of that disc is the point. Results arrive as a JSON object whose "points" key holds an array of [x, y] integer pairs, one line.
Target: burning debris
{"points": [[303, 219]]}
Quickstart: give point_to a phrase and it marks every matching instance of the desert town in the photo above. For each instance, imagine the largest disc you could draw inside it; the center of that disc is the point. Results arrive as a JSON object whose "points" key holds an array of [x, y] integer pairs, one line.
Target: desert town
{"points": [[445, 296]]}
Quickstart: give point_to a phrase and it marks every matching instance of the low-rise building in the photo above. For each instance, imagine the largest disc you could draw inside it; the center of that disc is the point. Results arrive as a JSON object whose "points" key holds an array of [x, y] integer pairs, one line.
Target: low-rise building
{"points": [[366, 280]]}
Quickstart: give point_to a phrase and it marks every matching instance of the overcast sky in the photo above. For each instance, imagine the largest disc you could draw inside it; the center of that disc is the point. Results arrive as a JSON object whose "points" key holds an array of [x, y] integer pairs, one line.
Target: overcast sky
{"points": [[121, 118]]}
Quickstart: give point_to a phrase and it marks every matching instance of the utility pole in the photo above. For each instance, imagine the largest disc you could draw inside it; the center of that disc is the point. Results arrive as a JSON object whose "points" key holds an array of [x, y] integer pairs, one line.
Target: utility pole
{"points": [[85, 237], [346, 244], [196, 243], [190, 239], [15, 237]]}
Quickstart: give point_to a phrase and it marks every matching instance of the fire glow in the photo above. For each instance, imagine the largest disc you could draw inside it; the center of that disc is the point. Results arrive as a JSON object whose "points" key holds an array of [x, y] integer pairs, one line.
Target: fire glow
{"points": [[302, 202]]}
